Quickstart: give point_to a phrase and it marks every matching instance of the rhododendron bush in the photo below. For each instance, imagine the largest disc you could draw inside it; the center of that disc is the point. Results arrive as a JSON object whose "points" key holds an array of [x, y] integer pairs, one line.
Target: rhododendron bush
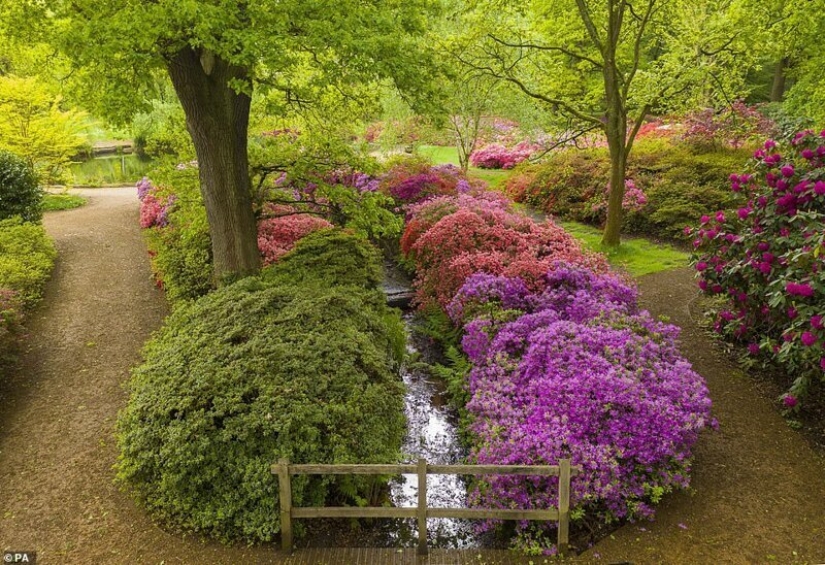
{"points": [[766, 258], [498, 156], [414, 180], [277, 236], [577, 371], [478, 234]]}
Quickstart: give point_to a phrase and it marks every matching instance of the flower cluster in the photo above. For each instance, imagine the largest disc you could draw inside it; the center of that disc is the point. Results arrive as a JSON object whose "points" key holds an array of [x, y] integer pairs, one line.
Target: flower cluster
{"points": [[576, 371], [277, 236], [766, 258], [451, 239], [499, 156], [415, 181], [634, 198], [154, 206]]}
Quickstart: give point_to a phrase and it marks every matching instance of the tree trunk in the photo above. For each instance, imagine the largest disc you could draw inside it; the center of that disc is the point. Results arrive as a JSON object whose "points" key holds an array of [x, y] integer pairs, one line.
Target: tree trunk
{"points": [[217, 118], [778, 86], [616, 131]]}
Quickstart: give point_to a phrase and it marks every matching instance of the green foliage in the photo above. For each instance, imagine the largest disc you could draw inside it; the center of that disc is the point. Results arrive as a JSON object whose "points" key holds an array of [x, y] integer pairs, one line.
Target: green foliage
{"points": [[20, 193], [26, 258], [57, 202], [674, 179], [162, 129], [331, 257], [182, 251], [34, 126], [256, 371]]}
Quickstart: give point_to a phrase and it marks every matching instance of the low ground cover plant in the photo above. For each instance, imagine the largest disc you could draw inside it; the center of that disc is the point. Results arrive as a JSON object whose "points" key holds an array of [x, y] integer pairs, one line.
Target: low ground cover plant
{"points": [[765, 259], [299, 363]]}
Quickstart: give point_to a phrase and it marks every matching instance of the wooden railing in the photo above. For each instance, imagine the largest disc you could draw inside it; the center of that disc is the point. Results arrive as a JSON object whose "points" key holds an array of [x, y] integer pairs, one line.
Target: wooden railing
{"points": [[561, 513]]}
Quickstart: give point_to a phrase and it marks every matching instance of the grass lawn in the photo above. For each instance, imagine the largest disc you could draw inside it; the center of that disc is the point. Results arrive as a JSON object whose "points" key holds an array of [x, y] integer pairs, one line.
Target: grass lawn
{"points": [[54, 202], [449, 155], [637, 256]]}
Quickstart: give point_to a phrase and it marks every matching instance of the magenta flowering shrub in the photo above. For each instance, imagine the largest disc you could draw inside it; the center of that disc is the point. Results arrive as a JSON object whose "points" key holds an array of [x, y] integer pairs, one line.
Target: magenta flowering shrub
{"points": [[577, 371], [766, 258], [277, 236], [499, 156], [154, 206], [415, 181]]}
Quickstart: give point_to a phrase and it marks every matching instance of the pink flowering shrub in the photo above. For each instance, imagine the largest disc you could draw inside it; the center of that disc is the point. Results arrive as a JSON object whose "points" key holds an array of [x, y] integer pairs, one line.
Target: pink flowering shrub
{"points": [[154, 204], [412, 181], [766, 258], [498, 156], [277, 236], [634, 199], [576, 371], [482, 236]]}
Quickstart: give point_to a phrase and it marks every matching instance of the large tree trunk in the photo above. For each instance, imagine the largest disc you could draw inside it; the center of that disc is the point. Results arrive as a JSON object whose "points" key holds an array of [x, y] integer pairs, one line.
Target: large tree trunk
{"points": [[217, 118], [778, 86]]}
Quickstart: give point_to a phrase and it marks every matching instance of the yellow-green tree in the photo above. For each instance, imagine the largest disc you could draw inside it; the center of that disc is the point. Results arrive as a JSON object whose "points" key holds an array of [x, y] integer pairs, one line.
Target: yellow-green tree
{"points": [[36, 128]]}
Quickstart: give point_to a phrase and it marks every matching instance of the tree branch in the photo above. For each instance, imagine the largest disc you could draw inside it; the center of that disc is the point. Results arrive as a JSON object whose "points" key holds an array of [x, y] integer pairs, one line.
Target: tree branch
{"points": [[593, 62], [588, 24]]}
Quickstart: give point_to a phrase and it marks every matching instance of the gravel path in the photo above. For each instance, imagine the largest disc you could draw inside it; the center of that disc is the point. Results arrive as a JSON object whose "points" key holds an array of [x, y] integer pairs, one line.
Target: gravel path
{"points": [[57, 413]]}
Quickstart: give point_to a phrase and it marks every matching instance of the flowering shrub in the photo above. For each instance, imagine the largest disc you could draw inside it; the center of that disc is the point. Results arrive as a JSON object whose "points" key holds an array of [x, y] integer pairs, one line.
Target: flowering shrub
{"points": [[154, 204], [481, 235], [577, 371], [277, 236], [498, 156], [767, 259], [634, 198], [734, 126], [412, 180]]}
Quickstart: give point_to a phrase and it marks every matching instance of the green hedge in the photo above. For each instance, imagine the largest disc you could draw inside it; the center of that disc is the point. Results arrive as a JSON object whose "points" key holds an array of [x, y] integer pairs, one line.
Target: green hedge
{"points": [[20, 193], [680, 183], [258, 370]]}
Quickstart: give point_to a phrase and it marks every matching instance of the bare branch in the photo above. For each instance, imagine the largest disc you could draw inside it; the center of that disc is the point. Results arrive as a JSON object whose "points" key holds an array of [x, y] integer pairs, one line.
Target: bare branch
{"points": [[573, 54]]}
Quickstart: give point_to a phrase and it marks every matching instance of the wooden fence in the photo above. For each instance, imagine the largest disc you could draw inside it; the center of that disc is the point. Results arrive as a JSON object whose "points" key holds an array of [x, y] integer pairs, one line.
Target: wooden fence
{"points": [[561, 513]]}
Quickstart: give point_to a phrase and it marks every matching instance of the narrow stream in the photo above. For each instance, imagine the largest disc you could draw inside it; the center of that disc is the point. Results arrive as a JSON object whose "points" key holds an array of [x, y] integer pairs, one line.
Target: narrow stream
{"points": [[432, 434]]}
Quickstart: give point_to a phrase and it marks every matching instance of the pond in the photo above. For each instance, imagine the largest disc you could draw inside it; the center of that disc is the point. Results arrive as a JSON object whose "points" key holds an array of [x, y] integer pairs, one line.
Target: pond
{"points": [[110, 170]]}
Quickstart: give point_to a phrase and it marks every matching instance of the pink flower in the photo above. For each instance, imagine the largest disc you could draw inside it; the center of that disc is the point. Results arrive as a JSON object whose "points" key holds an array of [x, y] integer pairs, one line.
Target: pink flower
{"points": [[704, 219], [808, 339], [816, 322], [790, 400], [701, 266], [799, 289], [753, 348], [819, 188], [720, 217], [703, 284], [787, 171], [744, 213], [808, 154]]}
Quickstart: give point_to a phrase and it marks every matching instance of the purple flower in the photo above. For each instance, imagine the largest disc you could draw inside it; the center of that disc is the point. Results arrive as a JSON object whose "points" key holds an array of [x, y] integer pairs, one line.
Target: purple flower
{"points": [[808, 339], [787, 171], [753, 348], [789, 400], [797, 289]]}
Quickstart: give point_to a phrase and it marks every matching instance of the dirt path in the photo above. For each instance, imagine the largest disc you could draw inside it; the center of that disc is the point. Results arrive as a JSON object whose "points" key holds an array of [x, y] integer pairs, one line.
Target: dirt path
{"points": [[57, 413], [759, 489]]}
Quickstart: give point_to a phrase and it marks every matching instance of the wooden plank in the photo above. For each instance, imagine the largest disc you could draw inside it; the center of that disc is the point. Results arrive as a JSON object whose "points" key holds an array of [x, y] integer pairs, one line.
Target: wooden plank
{"points": [[564, 505], [422, 507], [285, 493], [353, 512], [535, 470], [493, 514], [308, 469]]}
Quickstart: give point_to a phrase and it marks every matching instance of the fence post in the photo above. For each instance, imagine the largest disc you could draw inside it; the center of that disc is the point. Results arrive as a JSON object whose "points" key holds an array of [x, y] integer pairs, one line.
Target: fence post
{"points": [[564, 505], [285, 492], [422, 507]]}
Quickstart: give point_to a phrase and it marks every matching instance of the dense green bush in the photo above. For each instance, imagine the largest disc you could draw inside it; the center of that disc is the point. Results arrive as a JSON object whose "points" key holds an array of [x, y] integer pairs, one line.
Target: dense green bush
{"points": [[259, 370], [11, 319], [20, 193], [26, 258], [678, 183]]}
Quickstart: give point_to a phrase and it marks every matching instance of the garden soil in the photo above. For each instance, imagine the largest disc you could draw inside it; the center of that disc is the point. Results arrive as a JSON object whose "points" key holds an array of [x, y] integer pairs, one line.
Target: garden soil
{"points": [[758, 488]]}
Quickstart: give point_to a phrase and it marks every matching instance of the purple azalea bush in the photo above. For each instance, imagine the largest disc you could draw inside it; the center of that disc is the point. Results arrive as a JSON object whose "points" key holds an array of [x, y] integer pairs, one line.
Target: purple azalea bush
{"points": [[577, 371], [766, 260]]}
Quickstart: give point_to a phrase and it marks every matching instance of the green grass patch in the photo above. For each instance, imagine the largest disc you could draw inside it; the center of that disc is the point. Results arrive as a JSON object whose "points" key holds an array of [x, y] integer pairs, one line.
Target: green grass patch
{"points": [[637, 256], [55, 202], [449, 156]]}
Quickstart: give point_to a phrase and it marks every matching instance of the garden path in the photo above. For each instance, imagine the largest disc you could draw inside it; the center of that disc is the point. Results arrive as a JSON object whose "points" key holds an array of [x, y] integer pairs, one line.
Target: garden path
{"points": [[758, 486]]}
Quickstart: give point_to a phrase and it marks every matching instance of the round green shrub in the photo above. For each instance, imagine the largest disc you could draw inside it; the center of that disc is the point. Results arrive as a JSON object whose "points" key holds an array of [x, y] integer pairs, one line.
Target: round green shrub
{"points": [[251, 373], [20, 193]]}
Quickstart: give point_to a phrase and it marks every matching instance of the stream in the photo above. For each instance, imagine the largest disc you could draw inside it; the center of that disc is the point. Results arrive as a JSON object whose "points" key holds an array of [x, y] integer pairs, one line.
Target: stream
{"points": [[432, 434]]}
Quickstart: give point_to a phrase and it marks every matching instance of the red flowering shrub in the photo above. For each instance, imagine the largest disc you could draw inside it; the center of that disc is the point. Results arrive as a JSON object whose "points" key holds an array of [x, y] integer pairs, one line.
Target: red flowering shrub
{"points": [[767, 259], [492, 241], [277, 236]]}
